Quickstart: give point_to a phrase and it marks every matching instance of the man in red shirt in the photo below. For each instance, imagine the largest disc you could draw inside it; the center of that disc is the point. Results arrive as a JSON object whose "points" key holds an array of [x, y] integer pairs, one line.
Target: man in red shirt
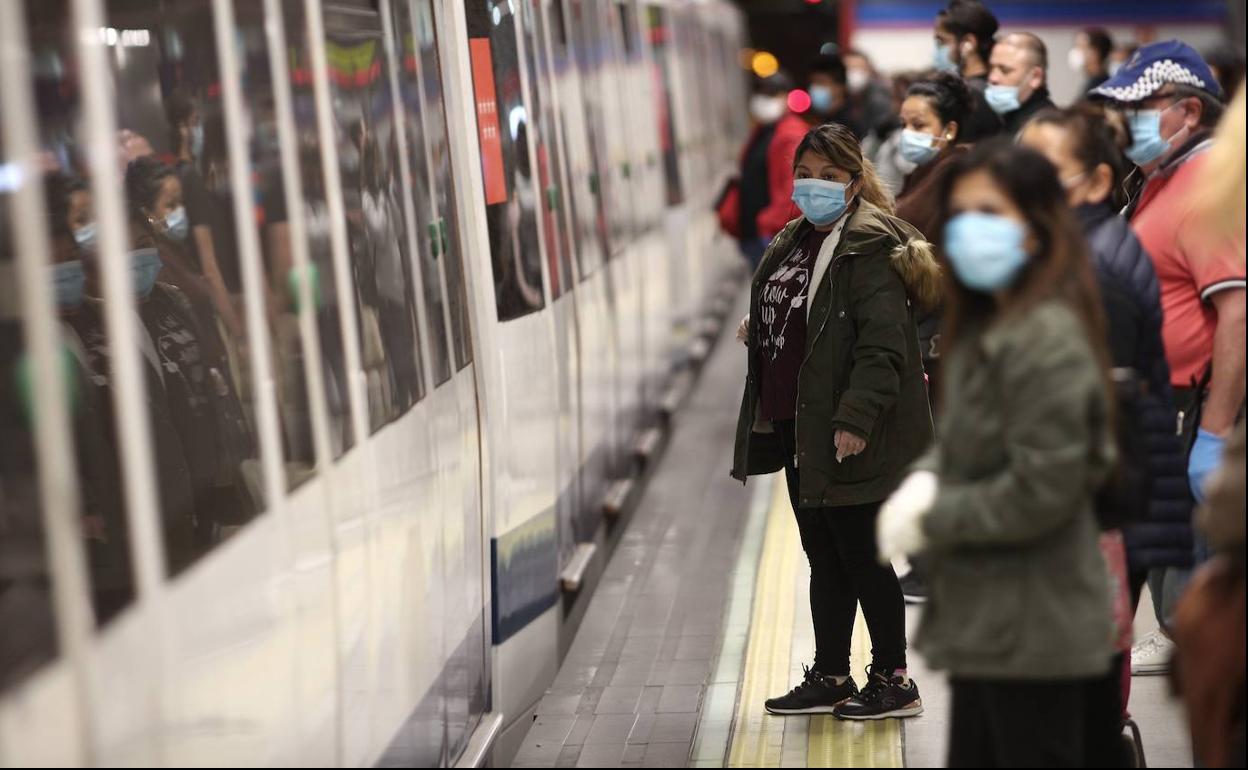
{"points": [[1172, 102]]}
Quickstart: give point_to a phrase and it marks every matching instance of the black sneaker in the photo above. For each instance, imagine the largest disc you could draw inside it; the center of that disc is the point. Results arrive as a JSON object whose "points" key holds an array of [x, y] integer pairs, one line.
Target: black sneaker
{"points": [[882, 698], [913, 587], [817, 694]]}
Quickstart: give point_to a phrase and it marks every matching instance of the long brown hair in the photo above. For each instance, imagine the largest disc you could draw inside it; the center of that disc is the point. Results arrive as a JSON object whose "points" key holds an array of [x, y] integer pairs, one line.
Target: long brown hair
{"points": [[1059, 268], [842, 149]]}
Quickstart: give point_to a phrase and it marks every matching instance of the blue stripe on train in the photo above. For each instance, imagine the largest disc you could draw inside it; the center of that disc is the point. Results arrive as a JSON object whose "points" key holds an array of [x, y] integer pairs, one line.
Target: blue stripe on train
{"points": [[524, 575]]}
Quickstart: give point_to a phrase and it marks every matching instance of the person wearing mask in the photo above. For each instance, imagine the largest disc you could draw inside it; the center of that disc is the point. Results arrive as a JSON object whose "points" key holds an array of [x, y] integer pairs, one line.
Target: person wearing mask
{"points": [[758, 204], [1172, 103], [834, 396], [829, 94], [932, 115], [870, 100], [210, 237], [1089, 57], [1080, 145], [1002, 504], [965, 33], [890, 165], [1018, 80]]}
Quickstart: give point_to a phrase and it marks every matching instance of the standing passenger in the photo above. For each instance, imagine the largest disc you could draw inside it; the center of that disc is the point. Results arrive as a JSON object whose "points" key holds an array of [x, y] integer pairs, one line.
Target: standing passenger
{"points": [[835, 396], [1019, 611], [965, 33], [1018, 80], [760, 202], [1090, 57]]}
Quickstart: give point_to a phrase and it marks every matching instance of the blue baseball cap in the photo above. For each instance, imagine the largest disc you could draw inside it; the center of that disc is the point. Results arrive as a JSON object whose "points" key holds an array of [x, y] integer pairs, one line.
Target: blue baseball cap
{"points": [[1153, 66]]}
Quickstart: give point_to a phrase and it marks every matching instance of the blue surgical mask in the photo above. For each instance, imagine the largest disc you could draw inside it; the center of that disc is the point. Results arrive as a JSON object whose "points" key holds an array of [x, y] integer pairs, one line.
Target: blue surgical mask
{"points": [[176, 224], [144, 267], [986, 250], [942, 59], [85, 237], [197, 141], [821, 201], [1002, 99], [918, 147], [69, 281], [1147, 145], [821, 99]]}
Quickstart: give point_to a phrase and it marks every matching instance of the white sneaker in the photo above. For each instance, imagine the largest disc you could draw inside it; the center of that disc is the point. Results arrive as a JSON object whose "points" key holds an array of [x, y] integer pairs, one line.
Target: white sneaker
{"points": [[1151, 655]]}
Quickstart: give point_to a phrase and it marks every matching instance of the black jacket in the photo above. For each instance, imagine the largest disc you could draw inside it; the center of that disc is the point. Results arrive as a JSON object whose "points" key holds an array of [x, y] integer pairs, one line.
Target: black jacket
{"points": [[1014, 121], [982, 123], [1132, 303]]}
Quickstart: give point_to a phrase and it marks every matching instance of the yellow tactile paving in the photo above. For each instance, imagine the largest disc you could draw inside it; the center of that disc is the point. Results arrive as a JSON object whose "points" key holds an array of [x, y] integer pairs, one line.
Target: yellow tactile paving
{"points": [[757, 737]]}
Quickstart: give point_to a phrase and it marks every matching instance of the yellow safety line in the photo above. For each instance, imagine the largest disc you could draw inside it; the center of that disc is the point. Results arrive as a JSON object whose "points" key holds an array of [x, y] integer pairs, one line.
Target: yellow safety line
{"points": [[758, 737]]}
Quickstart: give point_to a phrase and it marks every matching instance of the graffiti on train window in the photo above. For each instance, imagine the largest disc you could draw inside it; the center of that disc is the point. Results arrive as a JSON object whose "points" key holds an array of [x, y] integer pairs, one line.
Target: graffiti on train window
{"points": [[660, 34], [503, 124], [385, 291]]}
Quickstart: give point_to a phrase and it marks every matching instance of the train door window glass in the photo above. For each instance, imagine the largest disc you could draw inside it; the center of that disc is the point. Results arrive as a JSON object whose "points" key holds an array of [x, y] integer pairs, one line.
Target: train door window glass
{"points": [[70, 228], [26, 615], [282, 280], [549, 154], [385, 291], [590, 52], [430, 233], [660, 34], [582, 196], [179, 203], [317, 226], [503, 127], [439, 154]]}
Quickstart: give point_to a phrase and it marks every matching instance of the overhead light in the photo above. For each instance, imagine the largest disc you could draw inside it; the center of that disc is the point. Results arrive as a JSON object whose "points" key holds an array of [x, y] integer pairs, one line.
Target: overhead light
{"points": [[764, 64]]}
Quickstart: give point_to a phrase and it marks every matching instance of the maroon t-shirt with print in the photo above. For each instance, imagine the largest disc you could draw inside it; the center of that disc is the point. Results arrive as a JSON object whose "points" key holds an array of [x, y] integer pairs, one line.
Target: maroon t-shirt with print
{"points": [[782, 328]]}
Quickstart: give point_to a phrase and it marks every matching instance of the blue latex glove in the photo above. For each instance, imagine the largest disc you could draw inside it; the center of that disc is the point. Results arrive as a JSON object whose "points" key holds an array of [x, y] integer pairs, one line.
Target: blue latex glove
{"points": [[1206, 454]]}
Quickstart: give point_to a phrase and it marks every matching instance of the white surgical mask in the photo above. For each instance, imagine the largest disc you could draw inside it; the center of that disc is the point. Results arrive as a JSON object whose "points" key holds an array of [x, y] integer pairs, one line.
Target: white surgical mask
{"points": [[766, 109], [857, 81], [1076, 59]]}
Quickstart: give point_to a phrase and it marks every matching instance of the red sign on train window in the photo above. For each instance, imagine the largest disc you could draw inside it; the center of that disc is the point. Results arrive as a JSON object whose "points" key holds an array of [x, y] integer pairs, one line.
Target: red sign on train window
{"points": [[487, 120]]}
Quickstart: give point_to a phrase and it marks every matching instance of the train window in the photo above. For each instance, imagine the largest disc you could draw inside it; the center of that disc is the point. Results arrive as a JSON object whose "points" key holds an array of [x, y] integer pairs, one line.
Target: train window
{"points": [[282, 285], [70, 231], [503, 127], [368, 157], [429, 230], [584, 202], [549, 153], [660, 34], [29, 636], [179, 204], [317, 226], [439, 155]]}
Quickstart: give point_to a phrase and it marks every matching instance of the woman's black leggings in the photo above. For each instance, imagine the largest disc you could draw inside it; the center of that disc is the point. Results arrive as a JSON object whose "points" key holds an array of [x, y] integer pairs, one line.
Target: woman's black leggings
{"points": [[845, 571]]}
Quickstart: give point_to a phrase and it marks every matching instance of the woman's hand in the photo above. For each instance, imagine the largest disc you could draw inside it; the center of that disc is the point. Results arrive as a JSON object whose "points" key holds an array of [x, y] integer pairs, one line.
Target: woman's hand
{"points": [[899, 527], [847, 444], [743, 331]]}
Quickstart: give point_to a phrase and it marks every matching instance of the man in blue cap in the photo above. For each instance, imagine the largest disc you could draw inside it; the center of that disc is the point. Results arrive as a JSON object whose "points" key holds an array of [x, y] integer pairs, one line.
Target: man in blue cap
{"points": [[1172, 102]]}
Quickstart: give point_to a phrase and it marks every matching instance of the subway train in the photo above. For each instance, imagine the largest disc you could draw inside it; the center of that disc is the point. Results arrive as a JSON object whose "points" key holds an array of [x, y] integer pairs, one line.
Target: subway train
{"points": [[332, 337]]}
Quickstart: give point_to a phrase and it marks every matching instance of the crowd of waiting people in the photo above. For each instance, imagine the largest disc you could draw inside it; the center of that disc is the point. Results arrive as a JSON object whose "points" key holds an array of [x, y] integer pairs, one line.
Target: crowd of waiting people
{"points": [[1003, 341]]}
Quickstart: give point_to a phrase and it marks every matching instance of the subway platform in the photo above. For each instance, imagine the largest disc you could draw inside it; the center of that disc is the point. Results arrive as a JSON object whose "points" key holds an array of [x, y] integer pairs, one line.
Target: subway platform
{"points": [[703, 612]]}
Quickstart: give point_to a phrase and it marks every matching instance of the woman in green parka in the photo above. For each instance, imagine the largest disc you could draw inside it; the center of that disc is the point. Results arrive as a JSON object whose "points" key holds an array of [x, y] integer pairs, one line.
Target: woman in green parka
{"points": [[835, 396], [1019, 607]]}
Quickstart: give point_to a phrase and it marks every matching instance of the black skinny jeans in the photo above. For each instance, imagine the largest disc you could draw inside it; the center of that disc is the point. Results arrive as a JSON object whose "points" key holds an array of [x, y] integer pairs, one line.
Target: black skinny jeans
{"points": [[844, 571]]}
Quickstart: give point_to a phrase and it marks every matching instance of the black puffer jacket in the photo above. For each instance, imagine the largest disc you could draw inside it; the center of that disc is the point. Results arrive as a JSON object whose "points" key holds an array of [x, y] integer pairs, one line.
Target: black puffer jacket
{"points": [[1132, 300]]}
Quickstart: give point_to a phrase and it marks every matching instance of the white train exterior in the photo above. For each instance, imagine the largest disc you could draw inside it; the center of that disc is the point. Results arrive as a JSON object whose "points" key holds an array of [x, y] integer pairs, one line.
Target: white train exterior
{"points": [[505, 251]]}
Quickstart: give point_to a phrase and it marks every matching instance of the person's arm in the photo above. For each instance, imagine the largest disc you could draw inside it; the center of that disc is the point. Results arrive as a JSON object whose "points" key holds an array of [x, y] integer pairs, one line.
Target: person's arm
{"points": [[1226, 389], [216, 283]]}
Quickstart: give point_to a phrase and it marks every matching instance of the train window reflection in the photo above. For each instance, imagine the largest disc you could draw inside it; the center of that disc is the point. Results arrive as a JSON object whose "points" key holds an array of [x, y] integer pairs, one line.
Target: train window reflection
{"points": [[368, 156], [660, 33], [503, 126]]}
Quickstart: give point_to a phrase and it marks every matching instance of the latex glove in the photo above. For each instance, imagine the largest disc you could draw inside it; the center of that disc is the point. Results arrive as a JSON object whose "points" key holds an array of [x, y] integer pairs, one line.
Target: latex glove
{"points": [[1205, 458], [847, 444], [743, 331], [899, 527]]}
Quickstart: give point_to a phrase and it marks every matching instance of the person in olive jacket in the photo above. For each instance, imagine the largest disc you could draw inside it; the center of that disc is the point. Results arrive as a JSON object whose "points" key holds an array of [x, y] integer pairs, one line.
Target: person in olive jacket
{"points": [[1003, 504], [835, 396]]}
